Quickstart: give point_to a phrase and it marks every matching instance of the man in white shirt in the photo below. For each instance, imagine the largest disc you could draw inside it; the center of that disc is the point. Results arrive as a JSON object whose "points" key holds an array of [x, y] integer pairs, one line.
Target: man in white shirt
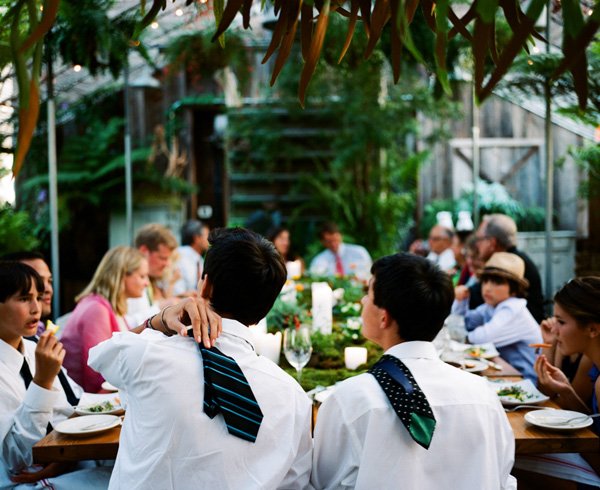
{"points": [[157, 243], [34, 391], [339, 258], [168, 439], [440, 246], [362, 441], [194, 243]]}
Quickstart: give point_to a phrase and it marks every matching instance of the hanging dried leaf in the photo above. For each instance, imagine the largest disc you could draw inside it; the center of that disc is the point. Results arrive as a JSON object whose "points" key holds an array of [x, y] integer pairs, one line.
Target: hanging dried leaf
{"points": [[441, 41], [306, 27], [365, 13], [28, 117], [381, 14], [314, 52], [351, 25], [511, 50], [224, 17], [287, 41], [396, 41]]}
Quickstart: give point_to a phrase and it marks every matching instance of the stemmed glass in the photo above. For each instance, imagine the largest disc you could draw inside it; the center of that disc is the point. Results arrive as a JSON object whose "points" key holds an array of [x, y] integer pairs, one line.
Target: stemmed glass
{"points": [[297, 347]]}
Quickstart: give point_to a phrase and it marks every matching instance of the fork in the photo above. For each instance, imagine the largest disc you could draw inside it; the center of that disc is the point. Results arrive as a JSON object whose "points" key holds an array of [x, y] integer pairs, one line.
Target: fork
{"points": [[518, 407], [579, 418]]}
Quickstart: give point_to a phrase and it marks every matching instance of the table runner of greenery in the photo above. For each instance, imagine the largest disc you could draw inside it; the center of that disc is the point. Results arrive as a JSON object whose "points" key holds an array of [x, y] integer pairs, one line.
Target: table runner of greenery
{"points": [[292, 308]]}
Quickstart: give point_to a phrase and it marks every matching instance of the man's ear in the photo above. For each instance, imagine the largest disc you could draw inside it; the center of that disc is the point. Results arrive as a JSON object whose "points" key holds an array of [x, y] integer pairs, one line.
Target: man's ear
{"points": [[205, 287], [144, 249], [594, 329], [386, 319]]}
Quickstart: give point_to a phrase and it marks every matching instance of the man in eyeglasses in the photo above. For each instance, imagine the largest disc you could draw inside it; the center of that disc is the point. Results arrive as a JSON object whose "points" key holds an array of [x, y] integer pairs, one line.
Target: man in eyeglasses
{"points": [[498, 233]]}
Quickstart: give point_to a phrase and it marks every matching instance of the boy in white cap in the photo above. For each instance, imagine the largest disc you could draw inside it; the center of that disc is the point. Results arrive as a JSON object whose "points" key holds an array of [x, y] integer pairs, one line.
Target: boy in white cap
{"points": [[504, 319]]}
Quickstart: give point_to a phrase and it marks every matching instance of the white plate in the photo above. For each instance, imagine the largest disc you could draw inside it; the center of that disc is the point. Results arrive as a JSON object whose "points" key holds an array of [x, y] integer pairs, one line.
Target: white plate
{"points": [[487, 351], [89, 400], [530, 395], [551, 419], [108, 387], [87, 425], [470, 365]]}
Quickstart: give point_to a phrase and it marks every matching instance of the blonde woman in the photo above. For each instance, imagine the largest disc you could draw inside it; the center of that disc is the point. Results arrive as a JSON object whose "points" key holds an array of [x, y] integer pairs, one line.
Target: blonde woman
{"points": [[101, 306]]}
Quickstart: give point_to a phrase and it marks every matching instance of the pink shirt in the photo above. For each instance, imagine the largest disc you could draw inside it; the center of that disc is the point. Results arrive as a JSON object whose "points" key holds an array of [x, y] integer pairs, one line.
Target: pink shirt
{"points": [[92, 321]]}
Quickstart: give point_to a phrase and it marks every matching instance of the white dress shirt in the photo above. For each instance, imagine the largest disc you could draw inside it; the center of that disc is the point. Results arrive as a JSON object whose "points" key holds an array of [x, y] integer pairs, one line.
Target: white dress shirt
{"points": [[140, 309], [361, 443], [24, 417], [190, 264], [355, 259], [168, 442], [445, 261]]}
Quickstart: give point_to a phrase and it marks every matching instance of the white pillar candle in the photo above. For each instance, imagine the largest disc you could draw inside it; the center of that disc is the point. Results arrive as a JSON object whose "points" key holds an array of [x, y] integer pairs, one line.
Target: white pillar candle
{"points": [[270, 346], [322, 307], [294, 269], [355, 356]]}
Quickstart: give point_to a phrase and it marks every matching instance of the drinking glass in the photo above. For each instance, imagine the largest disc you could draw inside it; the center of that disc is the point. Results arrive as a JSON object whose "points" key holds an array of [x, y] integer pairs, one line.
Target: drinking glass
{"points": [[297, 347]]}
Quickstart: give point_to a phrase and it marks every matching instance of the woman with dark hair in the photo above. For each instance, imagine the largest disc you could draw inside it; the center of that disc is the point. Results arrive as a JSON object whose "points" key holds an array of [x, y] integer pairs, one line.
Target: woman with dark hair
{"points": [[280, 236], [576, 326]]}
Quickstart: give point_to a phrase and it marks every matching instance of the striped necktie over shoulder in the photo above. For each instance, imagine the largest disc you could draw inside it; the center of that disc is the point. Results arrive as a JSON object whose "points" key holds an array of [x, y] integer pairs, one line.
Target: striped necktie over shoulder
{"points": [[226, 391], [406, 397]]}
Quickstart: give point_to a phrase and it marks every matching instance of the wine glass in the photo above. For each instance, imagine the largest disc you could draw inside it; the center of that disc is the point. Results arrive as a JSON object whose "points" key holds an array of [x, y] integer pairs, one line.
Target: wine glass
{"points": [[297, 347]]}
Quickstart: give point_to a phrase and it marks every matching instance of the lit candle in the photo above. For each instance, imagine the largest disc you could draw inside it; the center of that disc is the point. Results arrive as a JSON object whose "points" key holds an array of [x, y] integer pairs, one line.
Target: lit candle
{"points": [[322, 307], [355, 356]]}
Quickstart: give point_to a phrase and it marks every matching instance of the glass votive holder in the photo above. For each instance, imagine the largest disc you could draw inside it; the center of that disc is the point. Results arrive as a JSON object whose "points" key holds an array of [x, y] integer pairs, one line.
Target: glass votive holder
{"points": [[354, 357]]}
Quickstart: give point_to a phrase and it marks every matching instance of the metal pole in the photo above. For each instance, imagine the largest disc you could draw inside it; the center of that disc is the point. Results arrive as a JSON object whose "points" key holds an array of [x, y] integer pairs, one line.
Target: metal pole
{"points": [[549, 168], [476, 163], [128, 177], [53, 190]]}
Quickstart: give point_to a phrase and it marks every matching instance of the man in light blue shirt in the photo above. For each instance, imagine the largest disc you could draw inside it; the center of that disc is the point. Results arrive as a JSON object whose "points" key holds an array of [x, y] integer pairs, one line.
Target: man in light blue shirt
{"points": [[340, 258]]}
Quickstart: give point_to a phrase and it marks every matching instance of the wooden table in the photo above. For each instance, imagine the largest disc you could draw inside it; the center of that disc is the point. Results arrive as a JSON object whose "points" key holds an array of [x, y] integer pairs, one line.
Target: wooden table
{"points": [[60, 447], [528, 439]]}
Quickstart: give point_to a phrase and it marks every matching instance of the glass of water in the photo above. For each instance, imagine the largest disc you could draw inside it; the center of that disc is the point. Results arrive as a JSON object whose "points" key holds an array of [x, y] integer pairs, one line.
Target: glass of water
{"points": [[297, 347]]}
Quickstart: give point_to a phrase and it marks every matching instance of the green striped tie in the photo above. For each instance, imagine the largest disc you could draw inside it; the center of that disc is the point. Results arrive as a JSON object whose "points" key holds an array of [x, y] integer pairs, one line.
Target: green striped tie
{"points": [[226, 391]]}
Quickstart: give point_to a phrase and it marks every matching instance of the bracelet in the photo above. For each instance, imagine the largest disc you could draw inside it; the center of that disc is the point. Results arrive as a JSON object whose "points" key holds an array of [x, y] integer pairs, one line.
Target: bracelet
{"points": [[167, 331], [148, 322]]}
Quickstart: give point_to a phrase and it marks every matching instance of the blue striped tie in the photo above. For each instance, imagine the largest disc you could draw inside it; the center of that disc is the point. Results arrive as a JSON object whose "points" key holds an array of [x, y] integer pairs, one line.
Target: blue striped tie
{"points": [[226, 391]]}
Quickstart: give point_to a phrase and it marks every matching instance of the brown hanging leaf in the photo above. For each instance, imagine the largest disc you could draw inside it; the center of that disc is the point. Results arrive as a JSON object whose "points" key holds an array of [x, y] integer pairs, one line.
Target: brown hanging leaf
{"points": [[381, 14], [28, 117], [351, 26], [246, 13], [231, 10], [365, 14], [459, 26], [287, 41], [278, 34], [306, 27], [314, 51]]}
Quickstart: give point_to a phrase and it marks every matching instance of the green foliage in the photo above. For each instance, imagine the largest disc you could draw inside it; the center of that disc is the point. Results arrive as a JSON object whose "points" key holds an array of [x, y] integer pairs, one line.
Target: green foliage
{"points": [[16, 231], [368, 164], [492, 198], [85, 34], [588, 158], [195, 54]]}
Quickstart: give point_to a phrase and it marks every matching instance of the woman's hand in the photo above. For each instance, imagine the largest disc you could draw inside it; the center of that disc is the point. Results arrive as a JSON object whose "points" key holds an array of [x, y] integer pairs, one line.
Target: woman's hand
{"points": [[49, 355], [549, 327], [551, 380], [206, 324]]}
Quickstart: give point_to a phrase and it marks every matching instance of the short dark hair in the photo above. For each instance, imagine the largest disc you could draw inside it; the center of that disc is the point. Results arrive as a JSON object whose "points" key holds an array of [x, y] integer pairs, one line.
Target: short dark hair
{"points": [[23, 255], [514, 287], [191, 229], [328, 227], [415, 292], [580, 298], [17, 278], [246, 273]]}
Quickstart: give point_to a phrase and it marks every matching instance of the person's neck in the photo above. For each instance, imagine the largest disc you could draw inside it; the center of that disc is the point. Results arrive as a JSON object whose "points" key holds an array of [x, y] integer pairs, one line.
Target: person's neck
{"points": [[593, 352], [13, 342]]}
